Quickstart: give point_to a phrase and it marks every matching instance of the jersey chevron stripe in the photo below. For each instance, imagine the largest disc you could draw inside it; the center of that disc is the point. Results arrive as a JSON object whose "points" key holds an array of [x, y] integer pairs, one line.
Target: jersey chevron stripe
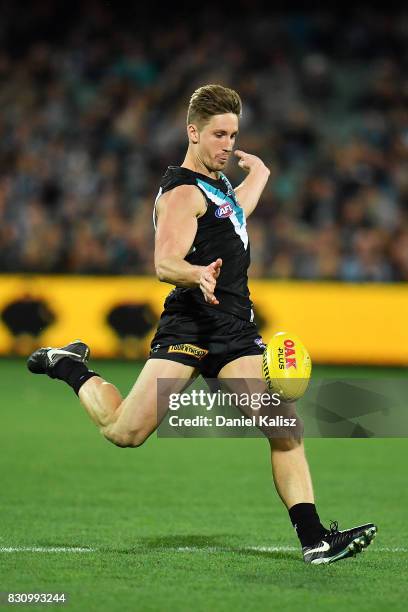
{"points": [[219, 198]]}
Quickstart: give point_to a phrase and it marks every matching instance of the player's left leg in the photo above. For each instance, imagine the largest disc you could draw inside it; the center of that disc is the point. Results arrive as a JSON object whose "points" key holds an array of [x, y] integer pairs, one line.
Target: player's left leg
{"points": [[294, 485], [289, 466]]}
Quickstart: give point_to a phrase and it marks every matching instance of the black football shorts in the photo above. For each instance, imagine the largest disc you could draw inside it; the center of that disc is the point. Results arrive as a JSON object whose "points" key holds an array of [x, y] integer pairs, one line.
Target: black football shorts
{"points": [[207, 339]]}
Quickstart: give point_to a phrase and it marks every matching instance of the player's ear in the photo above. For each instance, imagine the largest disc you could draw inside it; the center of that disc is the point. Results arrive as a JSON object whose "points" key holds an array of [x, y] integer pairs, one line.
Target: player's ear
{"points": [[193, 133]]}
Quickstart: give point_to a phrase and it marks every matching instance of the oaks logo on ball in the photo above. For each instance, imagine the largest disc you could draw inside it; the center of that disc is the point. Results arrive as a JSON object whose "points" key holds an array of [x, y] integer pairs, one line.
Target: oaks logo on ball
{"points": [[286, 366], [223, 212], [286, 355]]}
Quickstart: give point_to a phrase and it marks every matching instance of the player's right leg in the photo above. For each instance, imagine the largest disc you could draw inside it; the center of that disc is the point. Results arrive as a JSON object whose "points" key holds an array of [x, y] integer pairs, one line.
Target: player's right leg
{"points": [[129, 422], [125, 422]]}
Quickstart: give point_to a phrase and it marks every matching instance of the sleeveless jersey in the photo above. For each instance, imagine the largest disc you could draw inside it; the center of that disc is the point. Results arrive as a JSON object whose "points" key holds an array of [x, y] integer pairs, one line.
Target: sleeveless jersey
{"points": [[221, 232]]}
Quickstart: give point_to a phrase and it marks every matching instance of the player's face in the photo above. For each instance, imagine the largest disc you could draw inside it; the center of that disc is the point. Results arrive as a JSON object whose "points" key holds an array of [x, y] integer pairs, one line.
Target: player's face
{"points": [[216, 141]]}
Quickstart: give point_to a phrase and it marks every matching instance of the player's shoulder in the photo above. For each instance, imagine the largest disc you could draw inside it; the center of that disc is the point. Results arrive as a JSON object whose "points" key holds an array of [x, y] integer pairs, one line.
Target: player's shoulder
{"points": [[176, 176], [182, 196]]}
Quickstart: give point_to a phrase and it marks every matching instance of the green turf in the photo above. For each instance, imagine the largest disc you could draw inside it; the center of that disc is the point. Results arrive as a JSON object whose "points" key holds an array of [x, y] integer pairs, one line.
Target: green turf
{"points": [[64, 485]]}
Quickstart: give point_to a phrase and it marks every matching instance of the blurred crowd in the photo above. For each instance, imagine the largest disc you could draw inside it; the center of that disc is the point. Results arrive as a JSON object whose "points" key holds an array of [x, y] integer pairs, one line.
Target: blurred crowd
{"points": [[93, 107]]}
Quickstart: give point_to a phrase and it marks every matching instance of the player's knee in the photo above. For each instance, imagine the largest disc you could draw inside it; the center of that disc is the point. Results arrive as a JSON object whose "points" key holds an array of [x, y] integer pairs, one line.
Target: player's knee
{"points": [[285, 444], [125, 439]]}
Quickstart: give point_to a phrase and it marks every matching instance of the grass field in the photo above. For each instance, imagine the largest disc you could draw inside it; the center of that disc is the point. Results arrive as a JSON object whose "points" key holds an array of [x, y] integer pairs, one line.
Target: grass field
{"points": [[183, 524]]}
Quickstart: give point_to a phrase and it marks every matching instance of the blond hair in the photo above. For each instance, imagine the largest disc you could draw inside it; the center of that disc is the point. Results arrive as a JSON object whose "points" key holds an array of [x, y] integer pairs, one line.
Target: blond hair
{"points": [[210, 100]]}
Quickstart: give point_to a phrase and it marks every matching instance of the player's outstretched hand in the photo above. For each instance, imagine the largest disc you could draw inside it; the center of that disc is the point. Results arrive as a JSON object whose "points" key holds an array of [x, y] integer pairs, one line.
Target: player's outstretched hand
{"points": [[208, 281]]}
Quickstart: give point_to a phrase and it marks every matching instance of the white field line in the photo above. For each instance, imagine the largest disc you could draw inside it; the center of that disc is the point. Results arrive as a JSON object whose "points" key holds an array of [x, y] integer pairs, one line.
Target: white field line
{"points": [[182, 549], [215, 549], [45, 549]]}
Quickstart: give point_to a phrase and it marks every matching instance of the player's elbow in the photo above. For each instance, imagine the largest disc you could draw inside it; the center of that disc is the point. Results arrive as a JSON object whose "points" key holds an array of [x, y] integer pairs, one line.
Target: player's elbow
{"points": [[161, 271]]}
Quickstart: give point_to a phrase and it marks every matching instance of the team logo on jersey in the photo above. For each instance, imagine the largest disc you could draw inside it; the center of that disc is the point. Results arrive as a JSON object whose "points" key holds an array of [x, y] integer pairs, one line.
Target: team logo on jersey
{"points": [[223, 212], [188, 349]]}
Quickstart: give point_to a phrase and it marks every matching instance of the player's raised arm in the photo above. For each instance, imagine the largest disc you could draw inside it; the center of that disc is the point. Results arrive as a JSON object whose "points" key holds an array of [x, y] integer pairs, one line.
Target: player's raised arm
{"points": [[251, 188], [177, 213]]}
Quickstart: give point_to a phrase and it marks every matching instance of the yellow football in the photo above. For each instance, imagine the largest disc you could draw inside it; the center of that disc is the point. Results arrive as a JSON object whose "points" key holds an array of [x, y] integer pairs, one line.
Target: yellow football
{"points": [[286, 366]]}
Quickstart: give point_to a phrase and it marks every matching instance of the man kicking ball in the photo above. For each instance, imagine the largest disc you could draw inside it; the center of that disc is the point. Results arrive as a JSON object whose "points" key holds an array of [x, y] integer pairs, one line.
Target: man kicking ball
{"points": [[207, 325]]}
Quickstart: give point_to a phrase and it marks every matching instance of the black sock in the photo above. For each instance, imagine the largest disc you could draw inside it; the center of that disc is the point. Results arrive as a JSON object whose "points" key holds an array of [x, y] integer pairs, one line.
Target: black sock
{"points": [[75, 373], [307, 523]]}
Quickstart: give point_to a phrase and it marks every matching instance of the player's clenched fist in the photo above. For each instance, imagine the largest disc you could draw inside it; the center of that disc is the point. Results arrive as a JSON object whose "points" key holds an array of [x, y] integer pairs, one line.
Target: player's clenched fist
{"points": [[208, 281], [249, 162]]}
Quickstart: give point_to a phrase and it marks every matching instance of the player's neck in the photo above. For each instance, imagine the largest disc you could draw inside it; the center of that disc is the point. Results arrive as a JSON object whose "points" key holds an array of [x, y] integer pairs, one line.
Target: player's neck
{"points": [[192, 163]]}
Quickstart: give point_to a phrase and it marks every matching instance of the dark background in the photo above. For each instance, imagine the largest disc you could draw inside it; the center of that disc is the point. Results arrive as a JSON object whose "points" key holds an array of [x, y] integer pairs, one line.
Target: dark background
{"points": [[94, 97]]}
